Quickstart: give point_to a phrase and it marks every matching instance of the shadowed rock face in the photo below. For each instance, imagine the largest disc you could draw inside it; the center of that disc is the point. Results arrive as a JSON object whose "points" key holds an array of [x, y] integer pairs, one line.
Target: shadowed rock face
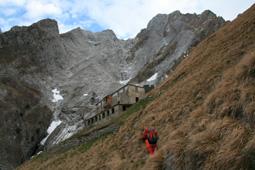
{"points": [[37, 59], [24, 113], [23, 121]]}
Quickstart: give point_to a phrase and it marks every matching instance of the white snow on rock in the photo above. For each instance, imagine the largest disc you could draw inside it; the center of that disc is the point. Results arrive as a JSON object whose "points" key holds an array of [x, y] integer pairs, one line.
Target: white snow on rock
{"points": [[124, 82], [85, 95], [56, 95], [38, 153], [54, 124], [66, 133], [153, 77]]}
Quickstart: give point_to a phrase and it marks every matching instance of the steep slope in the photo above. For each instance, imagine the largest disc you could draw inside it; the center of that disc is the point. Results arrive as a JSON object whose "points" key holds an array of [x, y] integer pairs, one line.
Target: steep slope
{"points": [[82, 64], [204, 113]]}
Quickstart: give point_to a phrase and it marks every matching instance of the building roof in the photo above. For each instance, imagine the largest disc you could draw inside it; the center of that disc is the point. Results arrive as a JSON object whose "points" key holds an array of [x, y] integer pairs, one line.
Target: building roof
{"points": [[129, 84]]}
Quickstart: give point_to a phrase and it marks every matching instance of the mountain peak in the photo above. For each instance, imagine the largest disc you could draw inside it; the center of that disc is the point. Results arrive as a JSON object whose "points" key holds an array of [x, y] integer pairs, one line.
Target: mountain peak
{"points": [[177, 12], [48, 25], [109, 32], [208, 13]]}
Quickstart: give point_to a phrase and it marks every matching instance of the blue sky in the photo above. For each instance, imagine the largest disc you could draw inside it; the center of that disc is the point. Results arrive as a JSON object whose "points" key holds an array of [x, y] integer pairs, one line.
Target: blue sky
{"points": [[125, 17]]}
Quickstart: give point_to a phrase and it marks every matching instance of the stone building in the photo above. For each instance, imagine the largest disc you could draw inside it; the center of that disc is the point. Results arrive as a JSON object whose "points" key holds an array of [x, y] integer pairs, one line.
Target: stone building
{"points": [[117, 102]]}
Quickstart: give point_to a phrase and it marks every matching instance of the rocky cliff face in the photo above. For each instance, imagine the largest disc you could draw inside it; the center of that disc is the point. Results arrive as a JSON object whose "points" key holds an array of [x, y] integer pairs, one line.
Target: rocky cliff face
{"points": [[25, 67], [166, 39], [99, 62], [82, 64], [24, 121]]}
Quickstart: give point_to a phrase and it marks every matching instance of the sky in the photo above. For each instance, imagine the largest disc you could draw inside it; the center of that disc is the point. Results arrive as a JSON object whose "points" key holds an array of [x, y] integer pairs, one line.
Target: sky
{"points": [[125, 17]]}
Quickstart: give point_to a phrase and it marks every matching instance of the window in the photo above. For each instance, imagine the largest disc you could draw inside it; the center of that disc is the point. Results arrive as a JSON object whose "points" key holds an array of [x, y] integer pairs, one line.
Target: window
{"points": [[103, 115], [136, 99], [113, 110], [108, 112], [123, 108]]}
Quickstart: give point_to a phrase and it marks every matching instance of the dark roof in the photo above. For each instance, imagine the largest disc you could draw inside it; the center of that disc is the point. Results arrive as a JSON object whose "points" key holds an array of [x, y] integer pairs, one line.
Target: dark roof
{"points": [[129, 84]]}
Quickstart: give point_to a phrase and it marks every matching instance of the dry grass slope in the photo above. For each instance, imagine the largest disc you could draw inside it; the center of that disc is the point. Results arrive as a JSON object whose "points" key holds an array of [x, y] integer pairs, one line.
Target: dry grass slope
{"points": [[204, 113]]}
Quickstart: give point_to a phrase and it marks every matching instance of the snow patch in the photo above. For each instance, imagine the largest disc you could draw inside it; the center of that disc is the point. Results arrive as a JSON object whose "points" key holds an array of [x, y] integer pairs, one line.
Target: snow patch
{"points": [[38, 153], [54, 124], [85, 95], [56, 95], [124, 82], [153, 77], [66, 133]]}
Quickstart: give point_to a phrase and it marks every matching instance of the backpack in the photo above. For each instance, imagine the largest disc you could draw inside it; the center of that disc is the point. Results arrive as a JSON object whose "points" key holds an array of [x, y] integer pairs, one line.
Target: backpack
{"points": [[152, 136]]}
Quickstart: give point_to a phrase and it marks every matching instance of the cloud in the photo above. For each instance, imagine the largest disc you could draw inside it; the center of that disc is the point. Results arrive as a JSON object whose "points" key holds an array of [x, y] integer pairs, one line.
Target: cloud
{"points": [[125, 17], [229, 10], [36, 9], [12, 2]]}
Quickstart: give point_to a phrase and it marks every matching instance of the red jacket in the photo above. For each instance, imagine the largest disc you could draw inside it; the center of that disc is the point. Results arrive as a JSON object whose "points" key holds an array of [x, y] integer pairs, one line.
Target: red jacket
{"points": [[145, 133], [150, 147]]}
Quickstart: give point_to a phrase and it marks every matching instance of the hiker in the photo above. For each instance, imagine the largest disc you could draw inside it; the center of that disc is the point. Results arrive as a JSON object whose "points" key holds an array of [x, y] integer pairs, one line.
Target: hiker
{"points": [[150, 136]]}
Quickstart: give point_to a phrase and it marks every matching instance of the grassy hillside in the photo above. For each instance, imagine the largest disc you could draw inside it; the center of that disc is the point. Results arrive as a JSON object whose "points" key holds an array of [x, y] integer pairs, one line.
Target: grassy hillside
{"points": [[204, 113]]}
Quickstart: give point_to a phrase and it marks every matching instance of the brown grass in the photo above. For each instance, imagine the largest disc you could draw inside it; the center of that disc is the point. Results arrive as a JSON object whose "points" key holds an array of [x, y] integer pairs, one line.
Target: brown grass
{"points": [[204, 113]]}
